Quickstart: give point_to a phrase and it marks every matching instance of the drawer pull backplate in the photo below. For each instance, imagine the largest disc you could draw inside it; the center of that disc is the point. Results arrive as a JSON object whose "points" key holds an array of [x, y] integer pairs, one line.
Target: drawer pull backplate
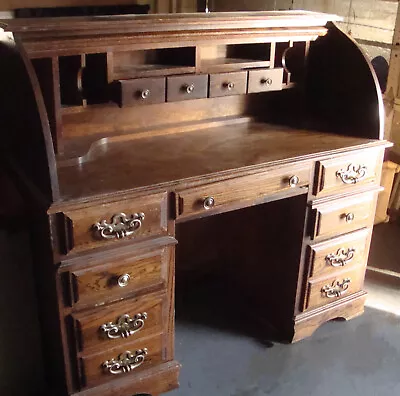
{"points": [[125, 362], [353, 174], [336, 289], [341, 257], [124, 327], [121, 226]]}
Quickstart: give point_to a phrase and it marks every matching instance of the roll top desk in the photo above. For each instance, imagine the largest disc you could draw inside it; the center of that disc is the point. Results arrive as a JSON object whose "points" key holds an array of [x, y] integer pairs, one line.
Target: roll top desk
{"points": [[149, 146]]}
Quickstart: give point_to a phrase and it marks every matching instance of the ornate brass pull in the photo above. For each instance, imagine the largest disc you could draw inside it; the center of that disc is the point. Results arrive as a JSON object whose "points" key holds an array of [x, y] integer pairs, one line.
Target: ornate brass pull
{"points": [[267, 81], [353, 174], [123, 280], [145, 93], [341, 257], [121, 226], [124, 327], [125, 362], [208, 203], [336, 289], [189, 88]]}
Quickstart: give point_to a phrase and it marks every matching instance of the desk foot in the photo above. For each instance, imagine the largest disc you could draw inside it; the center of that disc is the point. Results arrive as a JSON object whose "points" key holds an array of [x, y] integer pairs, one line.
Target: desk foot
{"points": [[306, 323]]}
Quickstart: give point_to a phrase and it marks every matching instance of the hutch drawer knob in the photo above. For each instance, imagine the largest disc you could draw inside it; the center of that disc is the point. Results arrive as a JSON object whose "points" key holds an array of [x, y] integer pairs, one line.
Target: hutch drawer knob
{"points": [[229, 85], [294, 181], [145, 93], [349, 217], [123, 280], [353, 174], [336, 289], [189, 88], [124, 327], [125, 362], [266, 81], [208, 203], [121, 226], [341, 257]]}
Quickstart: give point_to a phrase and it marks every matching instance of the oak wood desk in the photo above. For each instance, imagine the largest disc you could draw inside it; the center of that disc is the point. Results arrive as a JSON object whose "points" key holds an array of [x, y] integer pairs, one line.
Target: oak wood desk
{"points": [[254, 140]]}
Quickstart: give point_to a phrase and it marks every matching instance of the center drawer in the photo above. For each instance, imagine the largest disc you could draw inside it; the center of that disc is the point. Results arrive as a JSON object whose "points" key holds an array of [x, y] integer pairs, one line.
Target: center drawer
{"points": [[240, 191]]}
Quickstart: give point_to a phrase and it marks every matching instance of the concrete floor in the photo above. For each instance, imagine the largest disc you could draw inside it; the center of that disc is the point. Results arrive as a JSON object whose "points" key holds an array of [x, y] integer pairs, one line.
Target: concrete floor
{"points": [[359, 357]]}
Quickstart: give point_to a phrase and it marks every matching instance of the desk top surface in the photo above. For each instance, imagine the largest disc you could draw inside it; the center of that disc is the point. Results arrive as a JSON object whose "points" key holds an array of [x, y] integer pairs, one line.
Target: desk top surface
{"points": [[172, 160]]}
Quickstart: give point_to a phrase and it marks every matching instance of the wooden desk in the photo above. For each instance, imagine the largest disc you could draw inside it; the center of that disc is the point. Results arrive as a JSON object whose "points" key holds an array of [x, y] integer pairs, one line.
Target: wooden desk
{"points": [[253, 140]]}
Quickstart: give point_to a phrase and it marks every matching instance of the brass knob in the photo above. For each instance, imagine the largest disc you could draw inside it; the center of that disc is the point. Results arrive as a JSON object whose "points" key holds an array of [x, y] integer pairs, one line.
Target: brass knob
{"points": [[294, 181], [229, 86], [189, 88], [349, 217], [267, 81], [145, 93], [208, 203], [123, 280]]}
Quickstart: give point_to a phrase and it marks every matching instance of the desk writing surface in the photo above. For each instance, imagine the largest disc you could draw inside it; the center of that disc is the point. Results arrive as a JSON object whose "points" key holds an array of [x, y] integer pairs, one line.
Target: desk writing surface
{"points": [[166, 160]]}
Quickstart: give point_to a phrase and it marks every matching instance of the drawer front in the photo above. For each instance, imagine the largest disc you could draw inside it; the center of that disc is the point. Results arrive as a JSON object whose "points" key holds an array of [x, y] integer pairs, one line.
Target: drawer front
{"points": [[347, 251], [327, 290], [141, 91], [124, 275], [265, 80], [120, 362], [186, 87], [237, 192], [117, 324], [110, 223], [341, 174], [226, 84], [344, 215]]}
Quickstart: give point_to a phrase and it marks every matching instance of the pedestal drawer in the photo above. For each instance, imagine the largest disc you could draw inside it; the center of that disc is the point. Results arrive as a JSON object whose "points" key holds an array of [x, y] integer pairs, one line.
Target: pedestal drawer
{"points": [[343, 215], [335, 254], [113, 279], [104, 225], [340, 174], [117, 324], [123, 361], [238, 191], [323, 291]]}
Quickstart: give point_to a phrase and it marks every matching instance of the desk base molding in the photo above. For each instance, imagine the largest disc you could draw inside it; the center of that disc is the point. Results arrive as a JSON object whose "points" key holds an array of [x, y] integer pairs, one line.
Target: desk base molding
{"points": [[306, 324]]}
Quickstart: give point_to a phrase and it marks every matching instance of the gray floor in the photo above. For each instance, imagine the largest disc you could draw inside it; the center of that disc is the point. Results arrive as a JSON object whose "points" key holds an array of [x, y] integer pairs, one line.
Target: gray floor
{"points": [[222, 355]]}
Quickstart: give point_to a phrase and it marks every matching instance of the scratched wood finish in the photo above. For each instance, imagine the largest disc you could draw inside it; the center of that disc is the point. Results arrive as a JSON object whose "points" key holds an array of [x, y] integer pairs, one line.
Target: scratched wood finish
{"points": [[330, 182], [316, 297], [332, 218], [99, 284], [91, 365], [78, 234], [88, 324], [357, 241]]}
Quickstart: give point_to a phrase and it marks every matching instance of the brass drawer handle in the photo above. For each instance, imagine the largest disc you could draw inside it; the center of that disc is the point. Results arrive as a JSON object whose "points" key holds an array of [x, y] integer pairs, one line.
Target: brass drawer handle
{"points": [[145, 94], [341, 257], [126, 361], [336, 289], [123, 280], [124, 327], [353, 174], [266, 81], [121, 226], [209, 203], [189, 88], [229, 86]]}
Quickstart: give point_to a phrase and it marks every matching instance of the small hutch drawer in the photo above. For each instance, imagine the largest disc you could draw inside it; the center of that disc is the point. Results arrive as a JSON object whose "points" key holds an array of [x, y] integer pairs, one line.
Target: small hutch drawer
{"points": [[343, 215], [120, 277], [113, 325], [103, 225], [335, 254], [240, 191], [123, 361], [264, 80], [327, 290], [226, 84], [339, 174], [187, 87], [141, 91]]}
